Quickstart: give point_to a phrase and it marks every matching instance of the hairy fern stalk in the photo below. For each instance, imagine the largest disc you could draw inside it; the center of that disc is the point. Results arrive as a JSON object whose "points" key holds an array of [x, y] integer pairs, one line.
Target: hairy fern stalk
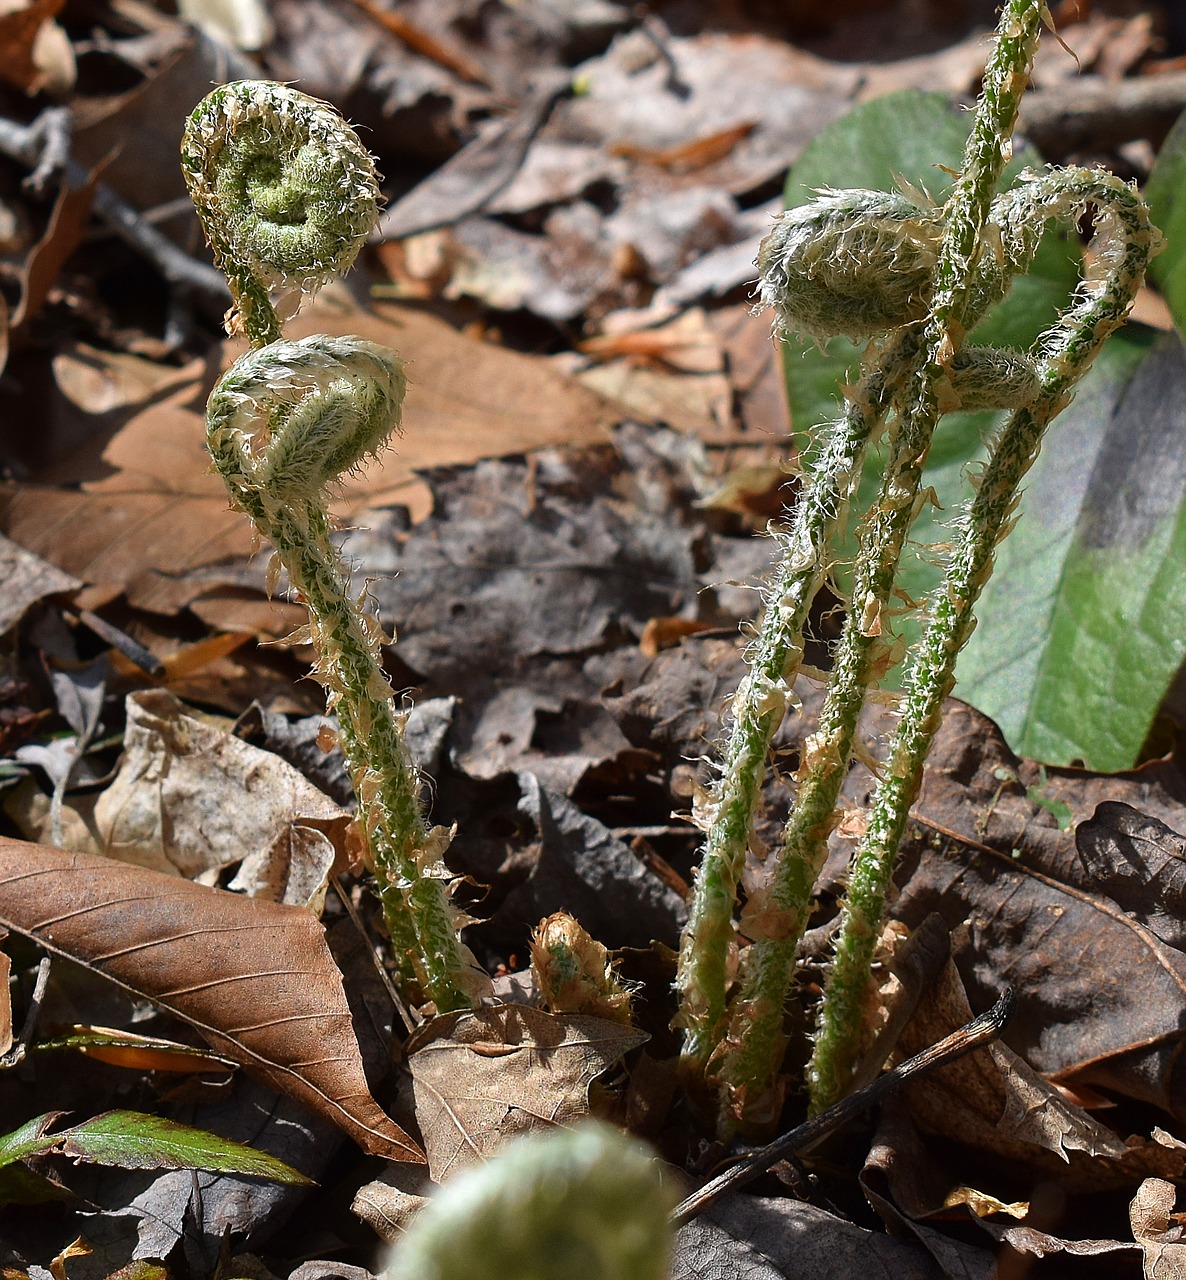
{"points": [[287, 194], [911, 282]]}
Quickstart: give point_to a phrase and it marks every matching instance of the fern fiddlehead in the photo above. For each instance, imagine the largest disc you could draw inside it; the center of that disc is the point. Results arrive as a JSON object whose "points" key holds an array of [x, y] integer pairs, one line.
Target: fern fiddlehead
{"points": [[587, 1203], [872, 265], [286, 194], [285, 191], [1125, 240]]}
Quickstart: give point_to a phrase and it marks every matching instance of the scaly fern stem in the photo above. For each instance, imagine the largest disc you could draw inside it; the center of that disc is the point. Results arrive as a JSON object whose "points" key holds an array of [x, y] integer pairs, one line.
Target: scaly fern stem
{"points": [[384, 775], [287, 195]]}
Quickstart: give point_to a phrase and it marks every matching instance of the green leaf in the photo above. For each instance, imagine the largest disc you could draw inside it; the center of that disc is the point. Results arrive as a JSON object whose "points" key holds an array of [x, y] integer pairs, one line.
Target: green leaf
{"points": [[133, 1140], [909, 135], [1083, 625], [29, 1140], [1166, 195], [20, 1185]]}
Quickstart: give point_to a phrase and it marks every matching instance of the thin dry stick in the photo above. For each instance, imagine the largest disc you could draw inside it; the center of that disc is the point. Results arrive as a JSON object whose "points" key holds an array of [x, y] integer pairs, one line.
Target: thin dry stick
{"points": [[981, 1031]]}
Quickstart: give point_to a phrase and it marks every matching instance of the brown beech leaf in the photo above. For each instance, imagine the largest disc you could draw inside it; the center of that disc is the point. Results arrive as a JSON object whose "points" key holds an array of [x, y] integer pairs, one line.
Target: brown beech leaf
{"points": [[27, 579], [1157, 1229], [482, 1077], [150, 501], [995, 1102], [256, 978], [1140, 863], [67, 224], [1101, 998], [19, 29], [777, 1238]]}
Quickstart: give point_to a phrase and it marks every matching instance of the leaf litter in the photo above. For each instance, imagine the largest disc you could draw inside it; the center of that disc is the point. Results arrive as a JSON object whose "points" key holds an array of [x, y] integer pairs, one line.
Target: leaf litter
{"points": [[566, 578]]}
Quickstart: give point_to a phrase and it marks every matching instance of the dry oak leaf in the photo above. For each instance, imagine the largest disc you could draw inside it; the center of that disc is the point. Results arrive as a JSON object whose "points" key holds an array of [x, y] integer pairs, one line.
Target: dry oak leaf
{"points": [[255, 978], [1101, 998], [27, 48], [1158, 1230]]}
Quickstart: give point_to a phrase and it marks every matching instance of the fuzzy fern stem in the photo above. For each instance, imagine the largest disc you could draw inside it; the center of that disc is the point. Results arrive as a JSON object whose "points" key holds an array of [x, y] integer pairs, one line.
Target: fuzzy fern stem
{"points": [[758, 709], [747, 1061], [1125, 241], [287, 194]]}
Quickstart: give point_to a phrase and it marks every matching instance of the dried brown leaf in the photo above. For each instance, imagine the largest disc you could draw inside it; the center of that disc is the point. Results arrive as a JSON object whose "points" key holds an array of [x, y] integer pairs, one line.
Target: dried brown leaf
{"points": [[757, 1238], [67, 222], [389, 1203], [1140, 863], [780, 96], [423, 42], [994, 1102], [19, 32], [477, 173], [255, 977], [27, 578], [150, 502], [1101, 999], [192, 798], [1156, 1228], [484, 1076], [694, 154]]}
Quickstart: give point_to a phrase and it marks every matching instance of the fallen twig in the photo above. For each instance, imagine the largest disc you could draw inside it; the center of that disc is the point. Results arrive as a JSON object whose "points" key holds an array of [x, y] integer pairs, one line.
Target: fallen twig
{"points": [[424, 42], [44, 147], [1093, 112], [974, 1035]]}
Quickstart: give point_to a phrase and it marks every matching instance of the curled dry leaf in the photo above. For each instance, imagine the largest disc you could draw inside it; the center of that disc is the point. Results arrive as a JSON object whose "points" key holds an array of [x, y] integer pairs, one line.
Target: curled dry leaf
{"points": [[35, 52], [27, 579], [1140, 863], [194, 798], [995, 1102], [149, 502], [1156, 1228], [756, 1238], [254, 977], [190, 798]]}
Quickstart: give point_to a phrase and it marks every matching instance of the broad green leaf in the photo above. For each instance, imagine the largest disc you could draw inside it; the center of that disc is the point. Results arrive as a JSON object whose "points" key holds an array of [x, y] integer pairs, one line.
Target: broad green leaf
{"points": [[909, 135], [19, 1185], [1083, 625], [1166, 194], [133, 1140]]}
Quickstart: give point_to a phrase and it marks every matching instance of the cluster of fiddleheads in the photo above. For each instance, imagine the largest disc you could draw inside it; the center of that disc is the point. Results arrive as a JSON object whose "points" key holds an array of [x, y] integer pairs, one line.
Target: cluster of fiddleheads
{"points": [[912, 281], [287, 194]]}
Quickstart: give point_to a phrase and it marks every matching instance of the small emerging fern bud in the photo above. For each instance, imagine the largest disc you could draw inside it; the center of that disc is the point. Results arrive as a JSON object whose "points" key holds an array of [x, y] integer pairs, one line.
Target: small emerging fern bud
{"points": [[305, 413], [850, 264], [576, 1204], [573, 971], [285, 192]]}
